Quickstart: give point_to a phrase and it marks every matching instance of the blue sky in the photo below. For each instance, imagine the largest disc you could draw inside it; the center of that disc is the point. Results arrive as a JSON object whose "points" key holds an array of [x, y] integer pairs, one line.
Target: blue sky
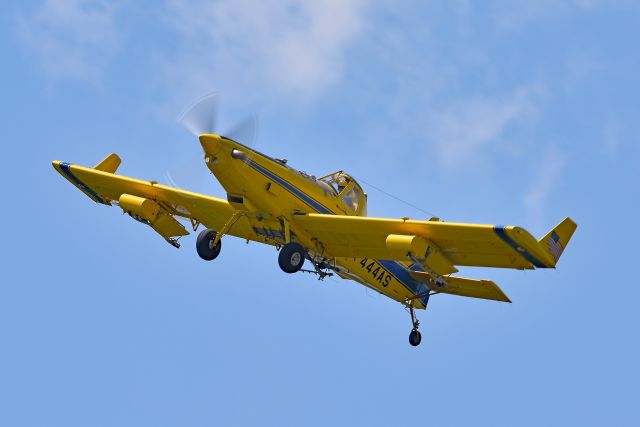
{"points": [[506, 112]]}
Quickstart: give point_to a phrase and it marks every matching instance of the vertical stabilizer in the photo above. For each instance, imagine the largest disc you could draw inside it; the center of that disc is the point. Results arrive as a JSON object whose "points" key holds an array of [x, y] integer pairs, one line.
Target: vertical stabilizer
{"points": [[558, 238]]}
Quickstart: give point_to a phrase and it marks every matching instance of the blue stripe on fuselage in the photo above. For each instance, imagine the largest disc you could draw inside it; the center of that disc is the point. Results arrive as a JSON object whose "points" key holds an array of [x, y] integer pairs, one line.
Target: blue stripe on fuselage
{"points": [[295, 191], [401, 274]]}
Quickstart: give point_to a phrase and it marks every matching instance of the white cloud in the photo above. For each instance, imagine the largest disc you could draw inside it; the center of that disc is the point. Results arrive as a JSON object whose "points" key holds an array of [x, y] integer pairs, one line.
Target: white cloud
{"points": [[71, 38], [293, 47], [467, 131]]}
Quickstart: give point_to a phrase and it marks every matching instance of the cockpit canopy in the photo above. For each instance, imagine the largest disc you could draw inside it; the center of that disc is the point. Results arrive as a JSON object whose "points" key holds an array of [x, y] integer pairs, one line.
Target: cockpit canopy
{"points": [[348, 190]]}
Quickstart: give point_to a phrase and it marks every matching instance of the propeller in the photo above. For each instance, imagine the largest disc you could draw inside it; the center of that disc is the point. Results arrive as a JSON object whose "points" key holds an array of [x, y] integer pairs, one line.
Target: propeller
{"points": [[201, 117], [245, 132]]}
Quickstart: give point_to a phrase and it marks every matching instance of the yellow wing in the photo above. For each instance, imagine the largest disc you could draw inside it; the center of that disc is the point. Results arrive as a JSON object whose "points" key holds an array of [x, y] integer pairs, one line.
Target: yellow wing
{"points": [[150, 202], [443, 244]]}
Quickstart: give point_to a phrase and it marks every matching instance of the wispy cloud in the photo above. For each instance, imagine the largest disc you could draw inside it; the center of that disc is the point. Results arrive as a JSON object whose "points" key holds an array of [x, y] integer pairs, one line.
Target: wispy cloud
{"points": [[468, 131], [548, 171], [71, 39], [293, 47]]}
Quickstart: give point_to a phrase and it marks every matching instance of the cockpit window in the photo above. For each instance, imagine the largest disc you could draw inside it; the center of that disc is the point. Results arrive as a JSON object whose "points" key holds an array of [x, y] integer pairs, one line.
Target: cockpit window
{"points": [[338, 181], [345, 187], [352, 198], [326, 187]]}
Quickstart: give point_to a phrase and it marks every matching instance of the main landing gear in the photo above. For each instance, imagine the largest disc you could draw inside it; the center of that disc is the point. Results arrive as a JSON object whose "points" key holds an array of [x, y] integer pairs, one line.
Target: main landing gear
{"points": [[414, 337], [206, 246], [291, 257]]}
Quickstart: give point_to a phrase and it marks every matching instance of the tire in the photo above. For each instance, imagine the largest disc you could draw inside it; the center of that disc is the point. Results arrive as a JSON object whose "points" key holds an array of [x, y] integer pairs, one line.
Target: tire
{"points": [[204, 245], [291, 257], [415, 338]]}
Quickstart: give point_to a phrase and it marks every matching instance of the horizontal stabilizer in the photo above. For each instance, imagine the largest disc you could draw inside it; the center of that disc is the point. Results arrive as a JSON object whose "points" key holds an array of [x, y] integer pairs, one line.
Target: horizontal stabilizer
{"points": [[109, 164], [484, 289]]}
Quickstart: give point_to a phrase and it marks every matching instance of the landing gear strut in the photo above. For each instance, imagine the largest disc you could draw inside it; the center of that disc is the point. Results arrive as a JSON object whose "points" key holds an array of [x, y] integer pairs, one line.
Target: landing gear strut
{"points": [[414, 337]]}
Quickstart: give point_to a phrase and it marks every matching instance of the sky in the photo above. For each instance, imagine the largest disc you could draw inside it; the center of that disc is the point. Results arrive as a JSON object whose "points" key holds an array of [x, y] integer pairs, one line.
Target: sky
{"points": [[497, 112]]}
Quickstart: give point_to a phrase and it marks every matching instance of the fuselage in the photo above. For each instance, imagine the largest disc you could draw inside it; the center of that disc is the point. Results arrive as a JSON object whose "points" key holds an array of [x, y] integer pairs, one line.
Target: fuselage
{"points": [[274, 193]]}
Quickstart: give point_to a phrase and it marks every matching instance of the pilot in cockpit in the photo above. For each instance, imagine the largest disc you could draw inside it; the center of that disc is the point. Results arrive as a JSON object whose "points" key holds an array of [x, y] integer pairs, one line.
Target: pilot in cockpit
{"points": [[344, 181]]}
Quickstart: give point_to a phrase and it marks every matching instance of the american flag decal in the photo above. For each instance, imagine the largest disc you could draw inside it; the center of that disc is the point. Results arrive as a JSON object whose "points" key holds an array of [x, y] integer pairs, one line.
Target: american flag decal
{"points": [[555, 246]]}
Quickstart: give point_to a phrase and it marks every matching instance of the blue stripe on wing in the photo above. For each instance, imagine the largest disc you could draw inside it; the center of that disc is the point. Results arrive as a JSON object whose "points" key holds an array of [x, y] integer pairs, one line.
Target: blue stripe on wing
{"points": [[66, 169], [502, 233]]}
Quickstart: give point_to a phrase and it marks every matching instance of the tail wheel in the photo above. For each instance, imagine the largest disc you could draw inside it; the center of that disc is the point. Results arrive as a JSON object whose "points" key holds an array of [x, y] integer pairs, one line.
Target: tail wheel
{"points": [[415, 338], [205, 246], [291, 257]]}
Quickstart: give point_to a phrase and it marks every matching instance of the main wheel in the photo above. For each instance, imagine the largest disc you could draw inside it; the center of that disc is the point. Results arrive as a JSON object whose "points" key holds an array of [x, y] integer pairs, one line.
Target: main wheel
{"points": [[415, 337], [291, 257], [204, 245]]}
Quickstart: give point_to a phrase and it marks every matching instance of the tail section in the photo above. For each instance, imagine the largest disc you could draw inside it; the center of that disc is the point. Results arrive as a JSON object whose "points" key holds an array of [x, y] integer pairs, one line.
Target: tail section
{"points": [[558, 238]]}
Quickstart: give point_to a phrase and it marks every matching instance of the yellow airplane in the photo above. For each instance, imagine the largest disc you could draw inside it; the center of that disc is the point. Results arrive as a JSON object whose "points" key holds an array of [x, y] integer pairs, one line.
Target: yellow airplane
{"points": [[323, 221]]}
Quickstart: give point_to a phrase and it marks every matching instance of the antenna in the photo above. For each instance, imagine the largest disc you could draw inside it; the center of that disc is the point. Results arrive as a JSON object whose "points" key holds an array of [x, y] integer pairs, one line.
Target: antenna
{"points": [[396, 198]]}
